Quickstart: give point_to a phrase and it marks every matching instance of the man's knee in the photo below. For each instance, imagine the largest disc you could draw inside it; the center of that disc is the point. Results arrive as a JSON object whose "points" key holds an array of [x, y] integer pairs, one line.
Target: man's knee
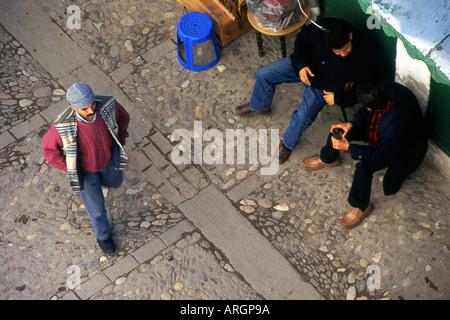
{"points": [[364, 168], [394, 178], [263, 73], [391, 188]]}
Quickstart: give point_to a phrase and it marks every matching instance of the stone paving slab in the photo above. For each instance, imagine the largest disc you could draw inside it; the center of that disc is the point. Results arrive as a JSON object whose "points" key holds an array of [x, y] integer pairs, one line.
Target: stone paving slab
{"points": [[25, 20], [51, 113], [25, 127], [247, 249], [92, 286], [246, 187], [5, 139]]}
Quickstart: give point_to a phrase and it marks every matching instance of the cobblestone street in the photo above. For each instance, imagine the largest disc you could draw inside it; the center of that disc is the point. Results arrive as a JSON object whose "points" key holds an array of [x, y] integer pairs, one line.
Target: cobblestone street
{"points": [[190, 231]]}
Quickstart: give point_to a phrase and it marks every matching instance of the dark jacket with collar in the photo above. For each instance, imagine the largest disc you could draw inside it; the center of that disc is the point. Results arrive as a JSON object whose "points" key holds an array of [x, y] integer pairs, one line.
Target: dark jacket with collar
{"points": [[333, 72], [400, 131]]}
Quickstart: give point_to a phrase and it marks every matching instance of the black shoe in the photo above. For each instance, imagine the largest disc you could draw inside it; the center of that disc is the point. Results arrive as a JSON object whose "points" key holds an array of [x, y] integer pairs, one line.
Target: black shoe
{"points": [[283, 153], [245, 110], [107, 245]]}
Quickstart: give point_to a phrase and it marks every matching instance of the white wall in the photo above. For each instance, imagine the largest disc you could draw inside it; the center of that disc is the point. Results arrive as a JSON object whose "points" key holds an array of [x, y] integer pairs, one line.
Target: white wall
{"points": [[415, 75]]}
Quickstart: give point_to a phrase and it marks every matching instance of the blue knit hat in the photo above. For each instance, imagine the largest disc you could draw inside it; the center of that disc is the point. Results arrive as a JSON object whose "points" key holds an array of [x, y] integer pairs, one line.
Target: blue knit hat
{"points": [[80, 95]]}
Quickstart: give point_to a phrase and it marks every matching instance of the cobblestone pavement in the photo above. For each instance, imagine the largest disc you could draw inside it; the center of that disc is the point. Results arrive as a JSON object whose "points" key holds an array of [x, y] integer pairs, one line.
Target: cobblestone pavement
{"points": [[167, 248]]}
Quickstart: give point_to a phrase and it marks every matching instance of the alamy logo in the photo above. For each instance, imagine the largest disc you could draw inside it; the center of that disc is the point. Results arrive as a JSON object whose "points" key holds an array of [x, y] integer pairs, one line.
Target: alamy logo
{"points": [[74, 20], [73, 281], [374, 279], [190, 149], [374, 21]]}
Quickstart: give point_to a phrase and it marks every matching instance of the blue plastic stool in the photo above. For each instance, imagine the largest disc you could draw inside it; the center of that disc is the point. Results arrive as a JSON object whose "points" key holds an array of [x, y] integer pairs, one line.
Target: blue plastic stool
{"points": [[195, 28]]}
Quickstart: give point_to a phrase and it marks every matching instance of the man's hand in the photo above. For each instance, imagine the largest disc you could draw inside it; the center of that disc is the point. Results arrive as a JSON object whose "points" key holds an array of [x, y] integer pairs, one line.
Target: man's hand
{"points": [[341, 144], [347, 126], [304, 73], [329, 97]]}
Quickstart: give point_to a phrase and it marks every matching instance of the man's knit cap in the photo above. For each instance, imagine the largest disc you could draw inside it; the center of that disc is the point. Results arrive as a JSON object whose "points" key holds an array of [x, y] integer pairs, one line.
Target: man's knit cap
{"points": [[80, 95]]}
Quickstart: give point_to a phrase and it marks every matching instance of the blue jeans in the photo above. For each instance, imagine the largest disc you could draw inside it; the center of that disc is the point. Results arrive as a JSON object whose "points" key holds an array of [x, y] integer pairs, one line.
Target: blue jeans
{"points": [[281, 71], [92, 196]]}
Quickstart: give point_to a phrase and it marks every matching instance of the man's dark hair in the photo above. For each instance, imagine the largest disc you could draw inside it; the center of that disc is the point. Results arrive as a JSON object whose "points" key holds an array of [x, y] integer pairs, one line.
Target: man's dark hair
{"points": [[338, 35], [371, 96]]}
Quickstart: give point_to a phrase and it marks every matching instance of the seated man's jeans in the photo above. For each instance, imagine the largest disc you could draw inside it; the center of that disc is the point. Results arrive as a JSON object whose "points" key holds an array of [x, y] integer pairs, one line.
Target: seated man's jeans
{"points": [[281, 71], [92, 196], [397, 172]]}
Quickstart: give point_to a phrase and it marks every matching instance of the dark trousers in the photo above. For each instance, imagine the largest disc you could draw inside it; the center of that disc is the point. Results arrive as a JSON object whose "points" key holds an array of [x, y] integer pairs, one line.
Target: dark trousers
{"points": [[93, 199], [399, 168]]}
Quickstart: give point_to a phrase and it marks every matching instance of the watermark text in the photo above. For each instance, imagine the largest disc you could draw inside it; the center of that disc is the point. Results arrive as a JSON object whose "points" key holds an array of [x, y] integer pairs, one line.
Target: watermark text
{"points": [[221, 149], [74, 20]]}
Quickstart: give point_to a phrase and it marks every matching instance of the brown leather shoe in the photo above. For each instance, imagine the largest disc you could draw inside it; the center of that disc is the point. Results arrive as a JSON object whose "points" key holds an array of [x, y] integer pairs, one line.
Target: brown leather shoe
{"points": [[315, 163], [245, 110], [283, 153], [355, 216]]}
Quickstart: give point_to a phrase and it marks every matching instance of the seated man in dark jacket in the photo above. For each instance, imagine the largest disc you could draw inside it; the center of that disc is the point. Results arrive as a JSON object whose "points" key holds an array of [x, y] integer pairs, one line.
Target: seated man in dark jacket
{"points": [[390, 121], [331, 63]]}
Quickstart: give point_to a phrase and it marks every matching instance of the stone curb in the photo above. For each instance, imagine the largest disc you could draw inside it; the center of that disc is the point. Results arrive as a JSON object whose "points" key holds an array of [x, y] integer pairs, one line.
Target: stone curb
{"points": [[248, 251]]}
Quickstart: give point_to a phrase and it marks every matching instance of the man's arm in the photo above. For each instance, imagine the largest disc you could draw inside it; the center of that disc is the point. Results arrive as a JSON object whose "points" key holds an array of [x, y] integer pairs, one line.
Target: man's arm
{"points": [[123, 120], [303, 48], [52, 149], [388, 142]]}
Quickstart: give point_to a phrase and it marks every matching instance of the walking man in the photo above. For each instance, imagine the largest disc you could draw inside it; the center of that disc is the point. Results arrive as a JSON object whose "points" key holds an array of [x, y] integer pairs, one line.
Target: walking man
{"points": [[330, 62], [392, 123], [86, 141]]}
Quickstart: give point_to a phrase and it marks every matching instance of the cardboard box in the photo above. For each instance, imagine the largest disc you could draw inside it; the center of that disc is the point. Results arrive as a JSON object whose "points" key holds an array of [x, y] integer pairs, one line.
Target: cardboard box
{"points": [[227, 28]]}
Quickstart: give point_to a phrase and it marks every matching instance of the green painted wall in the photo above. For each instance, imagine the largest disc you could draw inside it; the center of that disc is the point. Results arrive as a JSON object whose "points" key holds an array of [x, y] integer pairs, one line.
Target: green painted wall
{"points": [[438, 115]]}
